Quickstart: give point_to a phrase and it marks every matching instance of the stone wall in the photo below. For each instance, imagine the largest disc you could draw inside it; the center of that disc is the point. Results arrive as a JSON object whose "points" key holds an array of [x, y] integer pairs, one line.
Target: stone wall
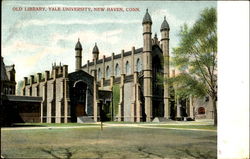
{"points": [[117, 59], [53, 91], [127, 101], [206, 103]]}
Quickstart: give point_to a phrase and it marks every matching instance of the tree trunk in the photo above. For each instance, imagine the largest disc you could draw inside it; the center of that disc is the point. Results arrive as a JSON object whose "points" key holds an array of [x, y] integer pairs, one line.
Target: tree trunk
{"points": [[215, 110]]}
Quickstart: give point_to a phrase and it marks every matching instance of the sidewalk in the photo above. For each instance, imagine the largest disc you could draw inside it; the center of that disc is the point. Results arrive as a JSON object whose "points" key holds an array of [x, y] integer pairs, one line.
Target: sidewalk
{"points": [[132, 125]]}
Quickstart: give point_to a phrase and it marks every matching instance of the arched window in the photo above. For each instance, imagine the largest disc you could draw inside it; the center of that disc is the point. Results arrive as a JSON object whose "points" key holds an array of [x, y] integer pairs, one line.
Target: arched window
{"points": [[107, 72], [127, 68], [99, 74], [117, 70], [138, 65], [201, 110]]}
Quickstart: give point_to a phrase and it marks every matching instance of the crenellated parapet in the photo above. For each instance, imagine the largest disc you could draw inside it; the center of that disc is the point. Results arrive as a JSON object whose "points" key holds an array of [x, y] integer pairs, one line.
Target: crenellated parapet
{"points": [[52, 87], [56, 72]]}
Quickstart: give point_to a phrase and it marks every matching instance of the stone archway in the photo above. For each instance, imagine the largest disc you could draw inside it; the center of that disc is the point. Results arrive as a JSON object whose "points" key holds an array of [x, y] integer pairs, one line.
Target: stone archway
{"points": [[157, 100], [80, 89]]}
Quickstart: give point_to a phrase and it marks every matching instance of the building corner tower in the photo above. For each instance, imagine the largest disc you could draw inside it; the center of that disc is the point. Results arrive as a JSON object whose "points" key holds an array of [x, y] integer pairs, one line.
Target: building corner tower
{"points": [[165, 49], [147, 65], [78, 52]]}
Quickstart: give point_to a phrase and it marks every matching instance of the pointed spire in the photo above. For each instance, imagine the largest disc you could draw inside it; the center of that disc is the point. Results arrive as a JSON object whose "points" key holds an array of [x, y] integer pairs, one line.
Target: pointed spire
{"points": [[78, 45], [95, 49], [164, 25], [147, 18]]}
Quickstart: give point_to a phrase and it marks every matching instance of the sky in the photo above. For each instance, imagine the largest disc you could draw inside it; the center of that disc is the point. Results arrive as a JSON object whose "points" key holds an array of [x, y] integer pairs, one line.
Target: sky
{"points": [[33, 40]]}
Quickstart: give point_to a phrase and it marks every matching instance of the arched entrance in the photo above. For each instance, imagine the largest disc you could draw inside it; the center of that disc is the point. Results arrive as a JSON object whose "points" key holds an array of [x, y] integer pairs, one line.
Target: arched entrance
{"points": [[79, 104], [157, 74]]}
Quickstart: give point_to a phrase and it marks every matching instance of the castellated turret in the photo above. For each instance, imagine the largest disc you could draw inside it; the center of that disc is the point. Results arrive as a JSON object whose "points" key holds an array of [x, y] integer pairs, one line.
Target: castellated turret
{"points": [[78, 52], [165, 49], [147, 64], [95, 53]]}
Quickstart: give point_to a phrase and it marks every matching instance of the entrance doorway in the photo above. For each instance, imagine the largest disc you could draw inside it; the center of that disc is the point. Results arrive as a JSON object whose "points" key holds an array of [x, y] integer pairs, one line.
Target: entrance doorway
{"points": [[79, 102]]}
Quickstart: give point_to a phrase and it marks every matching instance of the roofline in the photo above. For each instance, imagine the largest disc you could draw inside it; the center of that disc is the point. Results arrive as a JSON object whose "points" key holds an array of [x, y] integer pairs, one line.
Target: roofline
{"points": [[15, 98], [117, 56]]}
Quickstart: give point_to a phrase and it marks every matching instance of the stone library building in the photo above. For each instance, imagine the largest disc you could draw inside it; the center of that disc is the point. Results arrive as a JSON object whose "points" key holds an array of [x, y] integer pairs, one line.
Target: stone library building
{"points": [[120, 87]]}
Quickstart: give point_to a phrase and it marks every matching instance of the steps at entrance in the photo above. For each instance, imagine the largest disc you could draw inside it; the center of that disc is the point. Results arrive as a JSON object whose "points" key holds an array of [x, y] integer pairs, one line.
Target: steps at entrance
{"points": [[160, 119], [85, 119]]}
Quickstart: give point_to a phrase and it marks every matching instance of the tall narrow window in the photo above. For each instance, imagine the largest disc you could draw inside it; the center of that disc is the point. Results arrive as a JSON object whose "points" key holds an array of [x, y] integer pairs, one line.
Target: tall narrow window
{"points": [[107, 72], [117, 70], [127, 68], [138, 65], [99, 74]]}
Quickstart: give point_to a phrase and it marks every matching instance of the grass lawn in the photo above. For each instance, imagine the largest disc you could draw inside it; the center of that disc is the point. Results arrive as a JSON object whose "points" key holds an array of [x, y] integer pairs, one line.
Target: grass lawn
{"points": [[53, 124], [112, 142], [207, 127]]}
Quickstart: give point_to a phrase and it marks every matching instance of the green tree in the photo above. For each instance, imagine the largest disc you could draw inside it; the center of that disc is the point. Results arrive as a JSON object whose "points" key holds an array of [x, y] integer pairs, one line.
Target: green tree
{"points": [[196, 58]]}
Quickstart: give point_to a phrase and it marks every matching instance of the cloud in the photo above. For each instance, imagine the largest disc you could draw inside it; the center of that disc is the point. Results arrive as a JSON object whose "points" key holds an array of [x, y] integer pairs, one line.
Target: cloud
{"points": [[36, 61], [172, 19], [89, 37], [45, 22], [19, 46], [35, 58]]}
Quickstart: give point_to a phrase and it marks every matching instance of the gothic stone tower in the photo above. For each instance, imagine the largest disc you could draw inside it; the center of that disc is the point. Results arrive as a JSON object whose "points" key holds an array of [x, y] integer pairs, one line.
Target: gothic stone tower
{"points": [[78, 49], [165, 49], [147, 65]]}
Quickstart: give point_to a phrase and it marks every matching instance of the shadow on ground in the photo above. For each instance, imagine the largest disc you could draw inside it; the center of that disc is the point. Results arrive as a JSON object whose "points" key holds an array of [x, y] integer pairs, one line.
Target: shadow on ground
{"points": [[21, 125], [64, 153], [197, 154]]}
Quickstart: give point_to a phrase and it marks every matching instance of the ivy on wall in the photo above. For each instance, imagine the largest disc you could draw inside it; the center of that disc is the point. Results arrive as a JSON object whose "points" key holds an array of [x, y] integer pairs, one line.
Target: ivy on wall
{"points": [[116, 98]]}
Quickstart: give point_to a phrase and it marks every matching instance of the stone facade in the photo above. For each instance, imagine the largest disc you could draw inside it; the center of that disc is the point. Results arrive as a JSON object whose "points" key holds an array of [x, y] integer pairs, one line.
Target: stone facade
{"points": [[87, 94], [81, 93], [53, 88], [8, 82], [136, 72]]}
